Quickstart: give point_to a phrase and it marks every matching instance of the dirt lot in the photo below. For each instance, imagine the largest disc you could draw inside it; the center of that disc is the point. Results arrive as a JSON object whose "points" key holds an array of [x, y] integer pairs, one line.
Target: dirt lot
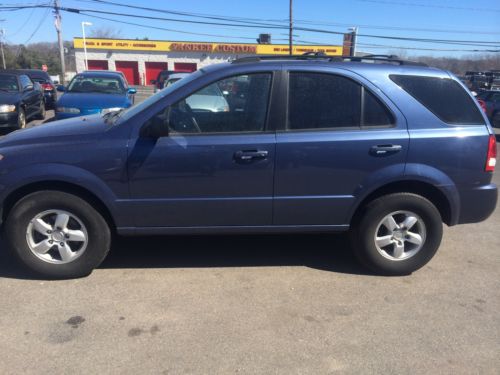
{"points": [[263, 304]]}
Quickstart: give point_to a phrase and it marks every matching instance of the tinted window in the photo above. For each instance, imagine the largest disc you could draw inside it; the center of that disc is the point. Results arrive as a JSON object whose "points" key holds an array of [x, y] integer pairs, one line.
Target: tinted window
{"points": [[318, 101], [375, 113], [442, 96], [236, 104], [326, 101]]}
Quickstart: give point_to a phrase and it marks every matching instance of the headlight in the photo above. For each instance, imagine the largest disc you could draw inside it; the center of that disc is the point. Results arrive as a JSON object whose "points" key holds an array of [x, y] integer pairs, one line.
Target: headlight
{"points": [[68, 110], [107, 110], [7, 108]]}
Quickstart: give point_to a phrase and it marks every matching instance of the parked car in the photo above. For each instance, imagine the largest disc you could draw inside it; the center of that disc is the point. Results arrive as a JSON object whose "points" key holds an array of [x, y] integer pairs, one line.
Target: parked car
{"points": [[491, 100], [94, 92], [47, 85], [20, 101], [159, 82], [209, 99], [317, 146]]}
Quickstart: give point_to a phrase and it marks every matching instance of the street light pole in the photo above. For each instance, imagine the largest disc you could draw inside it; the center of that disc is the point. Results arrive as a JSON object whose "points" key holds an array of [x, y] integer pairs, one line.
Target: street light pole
{"points": [[85, 44], [290, 36]]}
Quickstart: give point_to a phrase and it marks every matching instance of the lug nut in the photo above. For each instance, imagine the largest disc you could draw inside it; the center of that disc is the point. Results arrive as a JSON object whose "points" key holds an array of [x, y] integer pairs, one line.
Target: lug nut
{"points": [[49, 232], [50, 241], [62, 243]]}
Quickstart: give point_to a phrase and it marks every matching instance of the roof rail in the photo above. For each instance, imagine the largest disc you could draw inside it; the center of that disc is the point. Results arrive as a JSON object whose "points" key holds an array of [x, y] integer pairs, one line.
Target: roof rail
{"points": [[391, 59]]}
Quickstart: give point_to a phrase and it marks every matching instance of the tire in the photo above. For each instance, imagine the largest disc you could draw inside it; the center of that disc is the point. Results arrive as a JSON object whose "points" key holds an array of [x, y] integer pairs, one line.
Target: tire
{"points": [[21, 118], [495, 120], [41, 114], [85, 238], [380, 249]]}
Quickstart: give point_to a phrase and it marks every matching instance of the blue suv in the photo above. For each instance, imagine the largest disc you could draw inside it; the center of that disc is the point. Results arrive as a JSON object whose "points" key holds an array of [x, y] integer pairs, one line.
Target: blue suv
{"points": [[389, 150]]}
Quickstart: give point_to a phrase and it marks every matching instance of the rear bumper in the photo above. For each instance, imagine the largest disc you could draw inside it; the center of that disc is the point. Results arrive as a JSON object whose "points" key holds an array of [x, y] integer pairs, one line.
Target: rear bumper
{"points": [[477, 204], [8, 119]]}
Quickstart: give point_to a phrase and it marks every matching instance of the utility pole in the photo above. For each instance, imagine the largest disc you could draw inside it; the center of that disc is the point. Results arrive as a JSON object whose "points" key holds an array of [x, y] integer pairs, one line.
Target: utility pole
{"points": [[58, 25], [2, 33], [290, 36], [354, 40]]}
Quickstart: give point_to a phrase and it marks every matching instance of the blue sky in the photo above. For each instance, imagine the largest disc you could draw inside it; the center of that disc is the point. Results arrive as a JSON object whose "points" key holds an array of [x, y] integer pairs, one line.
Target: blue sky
{"points": [[442, 19]]}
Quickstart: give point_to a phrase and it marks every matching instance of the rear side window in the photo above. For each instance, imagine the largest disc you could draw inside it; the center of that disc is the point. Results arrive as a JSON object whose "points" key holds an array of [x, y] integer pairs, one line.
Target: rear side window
{"points": [[329, 101], [442, 96]]}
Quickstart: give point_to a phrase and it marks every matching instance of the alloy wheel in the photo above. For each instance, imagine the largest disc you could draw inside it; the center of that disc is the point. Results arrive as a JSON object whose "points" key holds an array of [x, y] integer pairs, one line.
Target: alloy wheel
{"points": [[400, 235], [57, 236]]}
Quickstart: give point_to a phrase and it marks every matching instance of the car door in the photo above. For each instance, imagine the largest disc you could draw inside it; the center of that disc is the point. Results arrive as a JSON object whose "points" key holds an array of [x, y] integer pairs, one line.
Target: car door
{"points": [[215, 167], [341, 137], [30, 95]]}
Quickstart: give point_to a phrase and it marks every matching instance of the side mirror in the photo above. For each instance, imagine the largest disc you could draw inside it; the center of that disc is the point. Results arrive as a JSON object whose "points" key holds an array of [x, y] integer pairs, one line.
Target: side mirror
{"points": [[61, 88], [155, 128], [132, 91]]}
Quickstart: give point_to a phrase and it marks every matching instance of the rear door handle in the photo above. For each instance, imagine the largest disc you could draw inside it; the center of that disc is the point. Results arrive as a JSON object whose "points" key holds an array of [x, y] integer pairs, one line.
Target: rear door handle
{"points": [[385, 149], [249, 155]]}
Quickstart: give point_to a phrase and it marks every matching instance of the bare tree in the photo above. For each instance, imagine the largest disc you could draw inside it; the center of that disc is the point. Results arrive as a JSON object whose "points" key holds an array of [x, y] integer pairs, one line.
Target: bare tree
{"points": [[105, 32]]}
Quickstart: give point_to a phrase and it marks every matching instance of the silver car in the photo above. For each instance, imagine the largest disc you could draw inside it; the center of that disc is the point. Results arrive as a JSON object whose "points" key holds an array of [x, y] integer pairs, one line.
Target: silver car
{"points": [[208, 99]]}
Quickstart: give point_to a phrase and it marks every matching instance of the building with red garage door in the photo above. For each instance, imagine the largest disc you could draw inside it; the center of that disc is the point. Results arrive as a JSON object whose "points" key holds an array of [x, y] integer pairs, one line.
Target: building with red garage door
{"points": [[142, 60]]}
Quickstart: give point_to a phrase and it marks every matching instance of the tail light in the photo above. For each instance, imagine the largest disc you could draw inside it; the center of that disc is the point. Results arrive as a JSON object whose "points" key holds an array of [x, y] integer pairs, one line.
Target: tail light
{"points": [[491, 156], [482, 104], [47, 87]]}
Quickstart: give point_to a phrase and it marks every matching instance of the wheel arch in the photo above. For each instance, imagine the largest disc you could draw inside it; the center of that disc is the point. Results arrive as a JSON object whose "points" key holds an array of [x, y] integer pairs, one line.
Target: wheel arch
{"points": [[425, 189], [61, 186]]}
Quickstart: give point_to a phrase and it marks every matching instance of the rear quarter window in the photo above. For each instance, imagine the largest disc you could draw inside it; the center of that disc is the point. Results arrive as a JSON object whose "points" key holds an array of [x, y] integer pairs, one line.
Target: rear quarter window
{"points": [[444, 97]]}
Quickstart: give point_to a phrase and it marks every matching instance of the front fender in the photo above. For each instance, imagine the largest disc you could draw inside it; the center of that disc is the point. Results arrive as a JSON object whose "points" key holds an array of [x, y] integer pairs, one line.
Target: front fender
{"points": [[52, 172]]}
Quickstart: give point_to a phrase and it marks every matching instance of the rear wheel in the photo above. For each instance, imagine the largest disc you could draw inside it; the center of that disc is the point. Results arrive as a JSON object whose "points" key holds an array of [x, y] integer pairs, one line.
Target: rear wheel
{"points": [[397, 233], [57, 235], [495, 120]]}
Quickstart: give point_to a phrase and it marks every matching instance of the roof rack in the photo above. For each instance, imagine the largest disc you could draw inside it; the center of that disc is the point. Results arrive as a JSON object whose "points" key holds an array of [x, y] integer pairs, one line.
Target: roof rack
{"points": [[391, 59]]}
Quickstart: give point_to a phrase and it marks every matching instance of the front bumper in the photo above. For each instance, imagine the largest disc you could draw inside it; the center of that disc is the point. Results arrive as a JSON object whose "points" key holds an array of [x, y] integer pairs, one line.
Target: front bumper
{"points": [[477, 204], [8, 119]]}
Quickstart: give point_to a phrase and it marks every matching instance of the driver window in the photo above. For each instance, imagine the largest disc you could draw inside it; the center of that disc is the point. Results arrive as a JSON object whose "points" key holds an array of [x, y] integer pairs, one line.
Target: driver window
{"points": [[235, 104]]}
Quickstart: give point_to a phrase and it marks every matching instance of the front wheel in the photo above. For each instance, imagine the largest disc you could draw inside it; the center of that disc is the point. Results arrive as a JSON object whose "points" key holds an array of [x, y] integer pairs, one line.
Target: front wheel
{"points": [[397, 234], [21, 118], [42, 112], [57, 235]]}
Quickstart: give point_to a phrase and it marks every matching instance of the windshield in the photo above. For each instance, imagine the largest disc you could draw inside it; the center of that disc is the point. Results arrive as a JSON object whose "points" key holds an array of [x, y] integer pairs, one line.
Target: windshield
{"points": [[8, 83], [171, 81], [104, 85], [132, 111]]}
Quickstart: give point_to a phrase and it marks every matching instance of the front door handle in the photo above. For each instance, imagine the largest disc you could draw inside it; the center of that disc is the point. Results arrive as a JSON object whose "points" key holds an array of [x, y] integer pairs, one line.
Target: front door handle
{"points": [[381, 150], [249, 155]]}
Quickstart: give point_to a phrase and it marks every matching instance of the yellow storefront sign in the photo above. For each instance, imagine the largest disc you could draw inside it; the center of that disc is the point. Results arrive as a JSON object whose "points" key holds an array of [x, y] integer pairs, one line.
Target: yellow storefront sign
{"points": [[214, 48]]}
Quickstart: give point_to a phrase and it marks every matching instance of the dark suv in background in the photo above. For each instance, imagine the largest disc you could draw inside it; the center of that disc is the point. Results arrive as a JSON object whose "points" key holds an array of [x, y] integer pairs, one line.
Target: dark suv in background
{"points": [[386, 149], [48, 87]]}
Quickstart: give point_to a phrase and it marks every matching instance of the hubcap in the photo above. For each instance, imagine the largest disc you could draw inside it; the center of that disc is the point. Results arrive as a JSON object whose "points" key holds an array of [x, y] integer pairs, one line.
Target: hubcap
{"points": [[57, 236], [400, 235]]}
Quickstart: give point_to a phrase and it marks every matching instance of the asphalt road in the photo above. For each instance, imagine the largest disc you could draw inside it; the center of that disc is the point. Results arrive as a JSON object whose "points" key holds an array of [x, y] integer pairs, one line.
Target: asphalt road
{"points": [[258, 305]]}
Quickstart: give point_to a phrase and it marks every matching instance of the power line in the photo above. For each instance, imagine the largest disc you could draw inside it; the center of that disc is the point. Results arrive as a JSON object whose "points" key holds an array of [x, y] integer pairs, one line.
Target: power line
{"points": [[173, 30], [430, 5], [272, 26]]}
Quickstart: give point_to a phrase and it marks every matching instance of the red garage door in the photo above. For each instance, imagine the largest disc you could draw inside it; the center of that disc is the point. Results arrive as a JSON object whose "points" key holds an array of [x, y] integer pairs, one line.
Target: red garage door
{"points": [[185, 67], [152, 70], [97, 64], [130, 69]]}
